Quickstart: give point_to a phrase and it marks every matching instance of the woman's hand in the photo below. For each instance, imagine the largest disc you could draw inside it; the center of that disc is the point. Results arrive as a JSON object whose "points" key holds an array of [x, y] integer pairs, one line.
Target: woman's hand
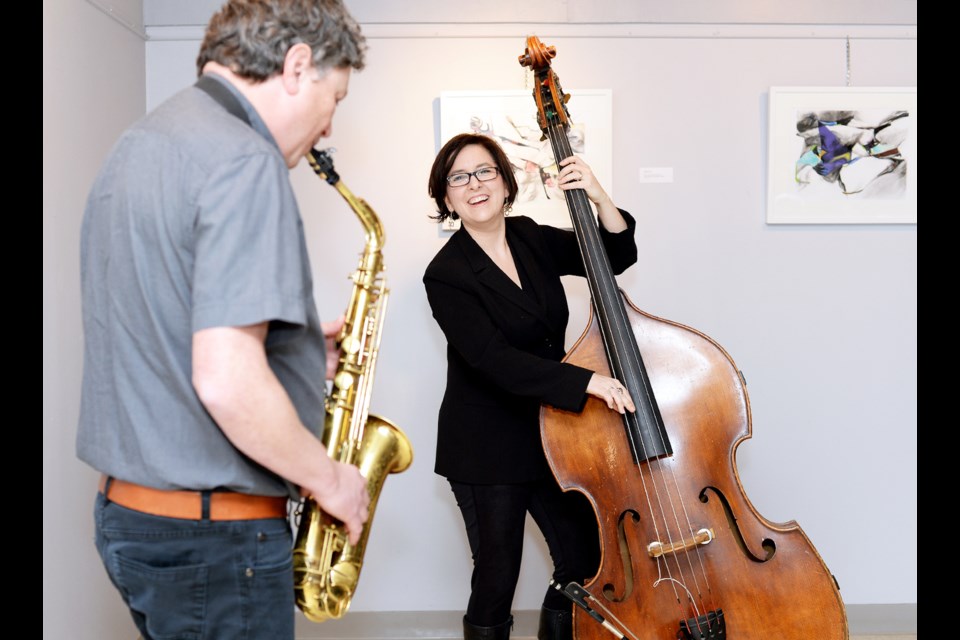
{"points": [[577, 174], [611, 391]]}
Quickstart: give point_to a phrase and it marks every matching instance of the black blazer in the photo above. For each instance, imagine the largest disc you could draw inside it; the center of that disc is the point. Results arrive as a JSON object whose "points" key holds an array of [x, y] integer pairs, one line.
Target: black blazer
{"points": [[504, 346]]}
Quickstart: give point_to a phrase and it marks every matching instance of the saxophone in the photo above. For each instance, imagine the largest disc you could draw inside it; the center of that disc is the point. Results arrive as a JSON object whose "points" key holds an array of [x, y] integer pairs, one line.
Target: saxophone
{"points": [[326, 567]]}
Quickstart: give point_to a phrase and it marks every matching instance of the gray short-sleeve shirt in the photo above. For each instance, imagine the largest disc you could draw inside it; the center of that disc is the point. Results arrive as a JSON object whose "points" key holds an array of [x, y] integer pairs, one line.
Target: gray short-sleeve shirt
{"points": [[191, 223]]}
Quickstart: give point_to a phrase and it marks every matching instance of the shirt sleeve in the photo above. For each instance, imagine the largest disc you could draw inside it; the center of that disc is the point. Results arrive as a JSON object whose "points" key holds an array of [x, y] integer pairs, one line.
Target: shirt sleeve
{"points": [[249, 256]]}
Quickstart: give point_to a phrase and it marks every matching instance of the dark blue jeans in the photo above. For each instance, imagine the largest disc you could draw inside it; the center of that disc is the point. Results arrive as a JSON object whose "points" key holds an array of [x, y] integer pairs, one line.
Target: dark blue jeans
{"points": [[494, 516], [197, 579]]}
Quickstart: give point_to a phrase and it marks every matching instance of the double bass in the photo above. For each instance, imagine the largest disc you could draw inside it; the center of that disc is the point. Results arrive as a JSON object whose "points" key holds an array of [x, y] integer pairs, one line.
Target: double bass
{"points": [[685, 555]]}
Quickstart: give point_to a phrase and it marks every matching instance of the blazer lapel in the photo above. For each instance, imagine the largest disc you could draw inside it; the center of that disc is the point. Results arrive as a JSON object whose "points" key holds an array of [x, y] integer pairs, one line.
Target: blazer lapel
{"points": [[491, 276], [525, 253]]}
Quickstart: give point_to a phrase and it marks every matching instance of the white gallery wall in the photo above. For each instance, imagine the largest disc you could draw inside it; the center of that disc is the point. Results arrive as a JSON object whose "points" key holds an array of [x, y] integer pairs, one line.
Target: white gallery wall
{"points": [[821, 319], [93, 87]]}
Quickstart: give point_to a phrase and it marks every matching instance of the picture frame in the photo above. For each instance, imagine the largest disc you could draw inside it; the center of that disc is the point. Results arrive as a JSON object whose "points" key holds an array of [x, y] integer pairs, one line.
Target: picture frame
{"points": [[842, 155], [510, 117]]}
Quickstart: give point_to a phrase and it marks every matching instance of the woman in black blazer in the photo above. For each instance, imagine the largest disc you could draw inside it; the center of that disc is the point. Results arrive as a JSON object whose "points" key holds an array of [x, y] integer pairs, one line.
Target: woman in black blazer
{"points": [[495, 290]]}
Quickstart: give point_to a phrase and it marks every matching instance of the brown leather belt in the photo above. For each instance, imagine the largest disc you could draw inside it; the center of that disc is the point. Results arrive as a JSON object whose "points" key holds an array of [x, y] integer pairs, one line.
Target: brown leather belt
{"points": [[188, 505]]}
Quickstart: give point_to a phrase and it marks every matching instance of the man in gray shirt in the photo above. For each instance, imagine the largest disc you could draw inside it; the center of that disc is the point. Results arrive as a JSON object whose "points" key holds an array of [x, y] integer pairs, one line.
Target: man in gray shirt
{"points": [[204, 360]]}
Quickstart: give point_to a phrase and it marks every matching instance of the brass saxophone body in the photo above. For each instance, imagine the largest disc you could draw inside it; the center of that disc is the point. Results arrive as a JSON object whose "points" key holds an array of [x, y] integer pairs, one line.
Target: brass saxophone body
{"points": [[326, 567]]}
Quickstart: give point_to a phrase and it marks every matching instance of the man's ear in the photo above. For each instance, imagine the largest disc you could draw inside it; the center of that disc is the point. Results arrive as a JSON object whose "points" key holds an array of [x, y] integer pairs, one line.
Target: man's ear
{"points": [[297, 62]]}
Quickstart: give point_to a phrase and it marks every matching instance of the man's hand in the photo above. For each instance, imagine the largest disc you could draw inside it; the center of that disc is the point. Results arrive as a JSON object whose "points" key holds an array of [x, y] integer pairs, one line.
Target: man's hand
{"points": [[330, 332], [346, 498]]}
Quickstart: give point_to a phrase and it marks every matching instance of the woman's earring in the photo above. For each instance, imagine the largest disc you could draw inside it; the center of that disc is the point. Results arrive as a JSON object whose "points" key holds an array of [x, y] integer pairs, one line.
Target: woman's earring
{"points": [[507, 208]]}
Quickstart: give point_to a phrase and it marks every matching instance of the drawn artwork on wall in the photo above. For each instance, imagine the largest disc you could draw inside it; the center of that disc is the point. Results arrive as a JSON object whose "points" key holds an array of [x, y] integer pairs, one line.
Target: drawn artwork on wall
{"points": [[842, 155], [510, 118]]}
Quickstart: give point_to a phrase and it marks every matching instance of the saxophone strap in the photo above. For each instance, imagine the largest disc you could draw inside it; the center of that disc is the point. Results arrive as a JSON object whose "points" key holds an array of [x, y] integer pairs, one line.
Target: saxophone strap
{"points": [[223, 96]]}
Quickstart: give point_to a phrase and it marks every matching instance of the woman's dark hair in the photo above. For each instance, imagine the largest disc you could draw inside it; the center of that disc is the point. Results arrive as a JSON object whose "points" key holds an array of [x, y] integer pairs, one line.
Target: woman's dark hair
{"points": [[437, 187]]}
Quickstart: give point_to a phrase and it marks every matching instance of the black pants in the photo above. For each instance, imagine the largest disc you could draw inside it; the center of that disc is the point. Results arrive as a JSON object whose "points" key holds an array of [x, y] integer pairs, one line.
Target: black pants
{"points": [[495, 515]]}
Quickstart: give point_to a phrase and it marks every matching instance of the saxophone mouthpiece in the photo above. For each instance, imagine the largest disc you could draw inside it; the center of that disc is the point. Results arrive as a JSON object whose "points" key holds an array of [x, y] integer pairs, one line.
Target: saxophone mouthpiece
{"points": [[322, 164]]}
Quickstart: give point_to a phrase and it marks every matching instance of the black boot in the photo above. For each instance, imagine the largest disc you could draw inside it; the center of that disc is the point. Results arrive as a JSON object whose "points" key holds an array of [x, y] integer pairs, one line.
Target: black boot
{"points": [[555, 625], [498, 632]]}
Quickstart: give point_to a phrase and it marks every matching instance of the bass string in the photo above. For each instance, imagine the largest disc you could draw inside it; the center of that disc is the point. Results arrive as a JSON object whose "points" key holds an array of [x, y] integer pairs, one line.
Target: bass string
{"points": [[612, 315]]}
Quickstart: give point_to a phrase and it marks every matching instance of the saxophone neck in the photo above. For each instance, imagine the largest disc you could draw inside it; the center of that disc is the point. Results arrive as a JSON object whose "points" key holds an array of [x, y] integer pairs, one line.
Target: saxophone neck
{"points": [[322, 164], [367, 216]]}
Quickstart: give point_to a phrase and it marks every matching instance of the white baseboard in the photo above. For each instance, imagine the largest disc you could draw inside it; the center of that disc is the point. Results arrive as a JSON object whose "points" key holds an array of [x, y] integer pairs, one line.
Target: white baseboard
{"points": [[882, 619]]}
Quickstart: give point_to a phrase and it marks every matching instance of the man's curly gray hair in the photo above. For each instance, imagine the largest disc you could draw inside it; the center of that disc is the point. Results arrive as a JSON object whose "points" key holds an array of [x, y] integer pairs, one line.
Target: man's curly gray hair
{"points": [[252, 37]]}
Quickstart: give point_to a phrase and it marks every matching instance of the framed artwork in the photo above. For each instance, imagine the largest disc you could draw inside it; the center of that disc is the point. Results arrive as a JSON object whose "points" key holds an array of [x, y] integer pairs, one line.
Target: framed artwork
{"points": [[510, 117], [842, 155]]}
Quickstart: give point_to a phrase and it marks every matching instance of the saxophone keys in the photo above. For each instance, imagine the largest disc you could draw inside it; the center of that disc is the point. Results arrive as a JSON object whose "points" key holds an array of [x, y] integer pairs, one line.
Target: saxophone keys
{"points": [[343, 380], [351, 345]]}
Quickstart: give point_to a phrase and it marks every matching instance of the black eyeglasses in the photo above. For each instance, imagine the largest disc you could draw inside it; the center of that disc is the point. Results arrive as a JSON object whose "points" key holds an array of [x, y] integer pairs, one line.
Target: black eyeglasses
{"points": [[463, 179]]}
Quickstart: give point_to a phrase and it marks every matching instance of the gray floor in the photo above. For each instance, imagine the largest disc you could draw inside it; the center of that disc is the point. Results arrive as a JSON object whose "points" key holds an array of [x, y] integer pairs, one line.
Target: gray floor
{"points": [[866, 622]]}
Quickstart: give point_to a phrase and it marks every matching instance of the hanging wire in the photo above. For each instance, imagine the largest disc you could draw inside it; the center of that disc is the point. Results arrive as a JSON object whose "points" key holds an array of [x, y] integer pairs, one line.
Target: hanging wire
{"points": [[848, 61]]}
